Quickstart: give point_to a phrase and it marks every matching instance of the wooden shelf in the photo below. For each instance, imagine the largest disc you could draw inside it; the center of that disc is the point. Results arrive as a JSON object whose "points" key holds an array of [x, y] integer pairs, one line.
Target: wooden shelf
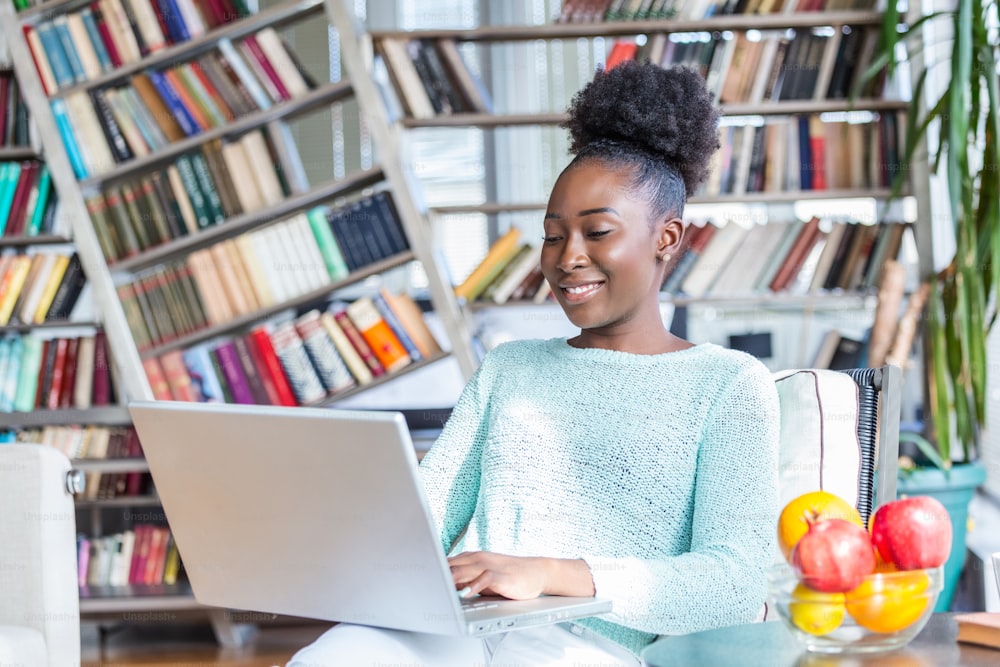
{"points": [[833, 299], [784, 108], [112, 415], [26, 241], [119, 501], [821, 300], [137, 598], [314, 297], [271, 17], [325, 94], [247, 221], [735, 22], [11, 153], [111, 465], [493, 208], [387, 377], [59, 324]]}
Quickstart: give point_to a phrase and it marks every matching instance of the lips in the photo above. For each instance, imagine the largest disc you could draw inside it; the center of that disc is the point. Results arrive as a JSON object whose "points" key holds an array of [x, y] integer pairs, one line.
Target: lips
{"points": [[580, 292]]}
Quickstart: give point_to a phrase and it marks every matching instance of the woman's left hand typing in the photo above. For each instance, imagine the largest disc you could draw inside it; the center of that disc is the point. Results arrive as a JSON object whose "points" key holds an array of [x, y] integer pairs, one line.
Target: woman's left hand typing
{"points": [[519, 577]]}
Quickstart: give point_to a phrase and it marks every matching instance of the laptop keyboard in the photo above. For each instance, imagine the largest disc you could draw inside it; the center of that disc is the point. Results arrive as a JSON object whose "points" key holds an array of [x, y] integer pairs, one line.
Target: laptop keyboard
{"points": [[479, 604]]}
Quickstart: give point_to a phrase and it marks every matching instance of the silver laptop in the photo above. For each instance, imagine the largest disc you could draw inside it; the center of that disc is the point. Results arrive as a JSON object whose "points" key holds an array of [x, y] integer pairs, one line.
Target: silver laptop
{"points": [[314, 513]]}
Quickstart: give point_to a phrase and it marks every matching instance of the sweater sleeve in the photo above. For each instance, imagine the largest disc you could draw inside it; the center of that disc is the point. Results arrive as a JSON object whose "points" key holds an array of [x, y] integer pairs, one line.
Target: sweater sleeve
{"points": [[721, 580], [451, 468]]}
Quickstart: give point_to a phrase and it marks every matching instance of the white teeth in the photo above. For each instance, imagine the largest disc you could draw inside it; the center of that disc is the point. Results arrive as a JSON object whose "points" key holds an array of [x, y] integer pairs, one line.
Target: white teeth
{"points": [[583, 289]]}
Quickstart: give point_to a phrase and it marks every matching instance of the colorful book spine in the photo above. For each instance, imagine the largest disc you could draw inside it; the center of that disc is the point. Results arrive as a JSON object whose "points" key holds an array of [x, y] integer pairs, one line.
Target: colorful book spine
{"points": [[265, 349], [229, 361], [61, 115], [332, 257], [174, 103], [376, 332], [387, 313], [295, 361], [330, 367], [357, 341]]}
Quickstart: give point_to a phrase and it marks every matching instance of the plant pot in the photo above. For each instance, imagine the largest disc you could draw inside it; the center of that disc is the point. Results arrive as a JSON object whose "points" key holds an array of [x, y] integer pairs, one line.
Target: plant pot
{"points": [[954, 489]]}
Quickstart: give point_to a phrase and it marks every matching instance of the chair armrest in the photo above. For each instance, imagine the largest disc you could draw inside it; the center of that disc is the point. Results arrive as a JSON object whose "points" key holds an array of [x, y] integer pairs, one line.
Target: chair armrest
{"points": [[38, 572]]}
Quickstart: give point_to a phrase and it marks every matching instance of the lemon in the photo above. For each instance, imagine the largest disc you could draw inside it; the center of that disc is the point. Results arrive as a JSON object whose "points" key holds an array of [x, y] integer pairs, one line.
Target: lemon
{"points": [[815, 612]]}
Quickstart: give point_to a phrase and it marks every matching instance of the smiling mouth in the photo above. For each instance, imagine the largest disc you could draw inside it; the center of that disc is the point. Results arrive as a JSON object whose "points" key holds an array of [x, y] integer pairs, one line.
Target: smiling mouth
{"points": [[581, 292]]}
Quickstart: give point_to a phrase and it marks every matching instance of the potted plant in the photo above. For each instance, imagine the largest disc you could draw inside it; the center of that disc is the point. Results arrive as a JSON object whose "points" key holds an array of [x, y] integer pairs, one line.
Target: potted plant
{"points": [[962, 305]]}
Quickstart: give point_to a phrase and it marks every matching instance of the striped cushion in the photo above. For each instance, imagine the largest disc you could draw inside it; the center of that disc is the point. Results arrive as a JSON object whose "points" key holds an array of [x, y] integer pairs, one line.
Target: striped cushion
{"points": [[819, 447]]}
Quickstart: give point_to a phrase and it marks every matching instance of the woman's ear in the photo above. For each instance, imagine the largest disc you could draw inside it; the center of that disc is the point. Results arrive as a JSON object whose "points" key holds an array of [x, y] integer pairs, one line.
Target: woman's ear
{"points": [[669, 237]]}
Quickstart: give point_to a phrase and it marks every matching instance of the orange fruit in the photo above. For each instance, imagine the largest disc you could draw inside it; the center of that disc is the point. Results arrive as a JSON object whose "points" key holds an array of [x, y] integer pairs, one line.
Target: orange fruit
{"points": [[887, 602], [808, 508]]}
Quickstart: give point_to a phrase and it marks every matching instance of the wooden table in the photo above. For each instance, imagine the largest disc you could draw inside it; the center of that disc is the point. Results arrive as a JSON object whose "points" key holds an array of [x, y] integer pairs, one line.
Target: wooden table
{"points": [[772, 645]]}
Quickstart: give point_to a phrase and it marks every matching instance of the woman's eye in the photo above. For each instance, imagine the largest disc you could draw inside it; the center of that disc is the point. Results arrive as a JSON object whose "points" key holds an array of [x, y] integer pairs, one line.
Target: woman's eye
{"points": [[550, 239], [598, 233]]}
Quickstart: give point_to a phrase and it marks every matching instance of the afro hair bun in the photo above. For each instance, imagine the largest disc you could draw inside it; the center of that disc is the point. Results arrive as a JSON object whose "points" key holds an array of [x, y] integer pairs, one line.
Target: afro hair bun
{"points": [[668, 113]]}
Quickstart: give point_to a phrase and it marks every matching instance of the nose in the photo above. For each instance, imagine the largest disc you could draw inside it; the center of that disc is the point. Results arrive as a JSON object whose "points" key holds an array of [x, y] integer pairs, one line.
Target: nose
{"points": [[573, 254]]}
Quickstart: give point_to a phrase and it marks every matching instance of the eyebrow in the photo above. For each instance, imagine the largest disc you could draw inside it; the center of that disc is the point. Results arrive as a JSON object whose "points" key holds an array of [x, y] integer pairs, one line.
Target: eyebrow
{"points": [[589, 211]]}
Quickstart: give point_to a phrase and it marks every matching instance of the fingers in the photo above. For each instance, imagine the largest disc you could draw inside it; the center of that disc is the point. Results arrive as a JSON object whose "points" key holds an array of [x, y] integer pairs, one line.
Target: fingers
{"points": [[466, 567], [479, 586]]}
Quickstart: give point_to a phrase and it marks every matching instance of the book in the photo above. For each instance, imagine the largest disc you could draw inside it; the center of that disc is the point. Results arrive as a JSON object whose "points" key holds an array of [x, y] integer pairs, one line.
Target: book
{"points": [[981, 628], [412, 319], [796, 256], [359, 369], [251, 372], [339, 312], [330, 366], [302, 376], [498, 254], [715, 255], [232, 372], [262, 347], [396, 325], [403, 73], [377, 333]]}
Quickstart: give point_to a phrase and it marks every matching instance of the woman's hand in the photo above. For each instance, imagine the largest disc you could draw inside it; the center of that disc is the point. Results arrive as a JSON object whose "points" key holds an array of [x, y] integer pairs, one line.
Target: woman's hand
{"points": [[519, 577]]}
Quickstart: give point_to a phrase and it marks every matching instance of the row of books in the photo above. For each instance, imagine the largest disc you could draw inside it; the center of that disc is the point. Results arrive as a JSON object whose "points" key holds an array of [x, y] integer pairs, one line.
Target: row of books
{"points": [[105, 127], [738, 260], [430, 77], [54, 373], [511, 271], [94, 442], [40, 287], [770, 66], [259, 269], [143, 555], [300, 361], [806, 153], [591, 11], [198, 190], [15, 129], [27, 199], [81, 45]]}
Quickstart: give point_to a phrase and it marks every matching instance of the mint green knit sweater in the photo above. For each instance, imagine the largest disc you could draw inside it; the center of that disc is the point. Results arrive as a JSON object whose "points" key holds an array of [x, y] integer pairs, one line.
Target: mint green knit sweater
{"points": [[658, 470]]}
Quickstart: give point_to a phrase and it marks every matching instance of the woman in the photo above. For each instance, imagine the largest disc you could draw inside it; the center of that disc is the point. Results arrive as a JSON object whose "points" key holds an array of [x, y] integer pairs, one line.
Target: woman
{"points": [[624, 462]]}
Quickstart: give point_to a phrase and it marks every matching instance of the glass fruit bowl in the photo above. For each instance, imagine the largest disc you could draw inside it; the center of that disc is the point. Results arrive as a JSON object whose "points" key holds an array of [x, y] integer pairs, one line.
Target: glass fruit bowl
{"points": [[884, 613]]}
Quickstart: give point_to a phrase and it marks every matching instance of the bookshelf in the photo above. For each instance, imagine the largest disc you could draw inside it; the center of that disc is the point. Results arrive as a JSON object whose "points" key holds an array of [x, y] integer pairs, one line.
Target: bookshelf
{"points": [[449, 94], [125, 232]]}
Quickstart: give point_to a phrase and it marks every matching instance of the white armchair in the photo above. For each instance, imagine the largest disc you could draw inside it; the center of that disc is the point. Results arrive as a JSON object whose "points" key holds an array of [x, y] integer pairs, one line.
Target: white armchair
{"points": [[39, 596]]}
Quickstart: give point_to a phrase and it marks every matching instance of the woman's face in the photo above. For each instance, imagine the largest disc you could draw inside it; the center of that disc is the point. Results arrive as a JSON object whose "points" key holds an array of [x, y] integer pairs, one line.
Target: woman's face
{"points": [[603, 255]]}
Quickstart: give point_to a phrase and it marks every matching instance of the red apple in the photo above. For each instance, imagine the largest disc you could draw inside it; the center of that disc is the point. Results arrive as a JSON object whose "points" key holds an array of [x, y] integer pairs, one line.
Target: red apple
{"points": [[912, 533], [834, 556]]}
